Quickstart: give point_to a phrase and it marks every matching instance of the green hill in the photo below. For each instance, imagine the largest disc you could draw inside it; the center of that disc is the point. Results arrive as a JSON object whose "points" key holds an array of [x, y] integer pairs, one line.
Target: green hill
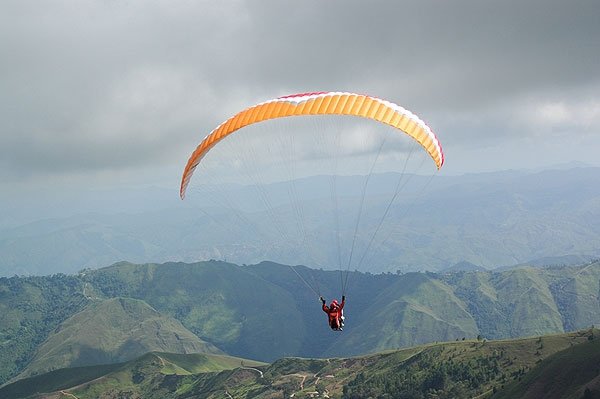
{"points": [[113, 331], [566, 374], [30, 309], [547, 366], [92, 381]]}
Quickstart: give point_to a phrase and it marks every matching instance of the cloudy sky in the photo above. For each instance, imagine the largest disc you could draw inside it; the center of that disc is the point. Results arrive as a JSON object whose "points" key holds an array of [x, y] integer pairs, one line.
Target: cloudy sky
{"points": [[105, 93]]}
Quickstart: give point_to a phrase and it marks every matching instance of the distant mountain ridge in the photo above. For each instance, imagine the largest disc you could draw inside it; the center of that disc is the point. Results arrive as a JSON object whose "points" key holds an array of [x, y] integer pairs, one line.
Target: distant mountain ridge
{"points": [[553, 261], [487, 219], [464, 266]]}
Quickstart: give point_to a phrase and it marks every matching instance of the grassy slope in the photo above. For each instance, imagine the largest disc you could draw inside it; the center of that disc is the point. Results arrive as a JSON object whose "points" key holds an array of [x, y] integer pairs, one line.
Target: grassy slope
{"points": [[471, 368], [91, 381], [494, 363], [565, 374], [110, 331], [56, 380]]}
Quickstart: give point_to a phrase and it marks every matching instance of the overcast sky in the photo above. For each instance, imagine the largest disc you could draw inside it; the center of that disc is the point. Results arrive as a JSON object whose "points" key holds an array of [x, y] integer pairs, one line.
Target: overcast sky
{"points": [[103, 93]]}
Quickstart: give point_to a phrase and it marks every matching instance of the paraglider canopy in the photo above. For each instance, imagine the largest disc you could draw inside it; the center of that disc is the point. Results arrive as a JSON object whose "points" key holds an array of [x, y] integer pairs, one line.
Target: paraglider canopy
{"points": [[319, 103]]}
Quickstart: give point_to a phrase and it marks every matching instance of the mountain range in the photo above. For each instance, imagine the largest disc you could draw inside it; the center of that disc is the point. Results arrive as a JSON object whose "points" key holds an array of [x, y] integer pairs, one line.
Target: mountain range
{"points": [[497, 219], [266, 311]]}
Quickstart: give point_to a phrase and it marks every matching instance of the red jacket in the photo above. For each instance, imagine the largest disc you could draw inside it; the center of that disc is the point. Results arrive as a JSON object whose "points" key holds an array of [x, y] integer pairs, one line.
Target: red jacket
{"points": [[334, 311]]}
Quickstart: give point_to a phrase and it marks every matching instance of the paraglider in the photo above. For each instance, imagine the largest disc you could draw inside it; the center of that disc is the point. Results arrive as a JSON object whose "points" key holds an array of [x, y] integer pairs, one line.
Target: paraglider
{"points": [[335, 313], [308, 105]]}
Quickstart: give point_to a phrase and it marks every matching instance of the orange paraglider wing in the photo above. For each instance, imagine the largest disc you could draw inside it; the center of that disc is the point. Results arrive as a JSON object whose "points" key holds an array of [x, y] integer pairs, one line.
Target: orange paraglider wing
{"points": [[320, 103]]}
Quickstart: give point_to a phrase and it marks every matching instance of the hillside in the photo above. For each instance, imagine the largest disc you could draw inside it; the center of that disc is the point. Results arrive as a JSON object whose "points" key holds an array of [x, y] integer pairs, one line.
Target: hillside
{"points": [[502, 218], [136, 374], [570, 374], [30, 309], [457, 369], [113, 331]]}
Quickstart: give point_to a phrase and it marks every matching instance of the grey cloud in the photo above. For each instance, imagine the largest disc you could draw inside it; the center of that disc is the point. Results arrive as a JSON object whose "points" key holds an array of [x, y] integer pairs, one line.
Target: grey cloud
{"points": [[465, 47], [108, 85]]}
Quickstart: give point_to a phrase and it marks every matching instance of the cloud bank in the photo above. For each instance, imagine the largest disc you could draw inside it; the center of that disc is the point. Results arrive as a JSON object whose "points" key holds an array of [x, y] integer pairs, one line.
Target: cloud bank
{"points": [[120, 91]]}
